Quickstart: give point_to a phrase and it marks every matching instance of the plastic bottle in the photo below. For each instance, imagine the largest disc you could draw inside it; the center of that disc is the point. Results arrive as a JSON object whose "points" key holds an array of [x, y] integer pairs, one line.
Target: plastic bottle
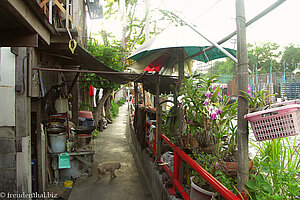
{"points": [[68, 146]]}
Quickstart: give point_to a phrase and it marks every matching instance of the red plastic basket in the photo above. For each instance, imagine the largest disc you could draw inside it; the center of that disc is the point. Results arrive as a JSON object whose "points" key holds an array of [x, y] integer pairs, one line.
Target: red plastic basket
{"points": [[281, 121]]}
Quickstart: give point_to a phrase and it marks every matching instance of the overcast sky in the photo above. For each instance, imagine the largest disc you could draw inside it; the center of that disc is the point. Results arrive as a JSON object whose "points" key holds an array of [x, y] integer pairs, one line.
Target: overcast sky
{"points": [[216, 19]]}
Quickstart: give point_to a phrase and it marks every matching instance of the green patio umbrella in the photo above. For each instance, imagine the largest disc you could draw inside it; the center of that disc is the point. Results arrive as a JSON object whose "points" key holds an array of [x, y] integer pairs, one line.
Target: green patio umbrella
{"points": [[160, 53]]}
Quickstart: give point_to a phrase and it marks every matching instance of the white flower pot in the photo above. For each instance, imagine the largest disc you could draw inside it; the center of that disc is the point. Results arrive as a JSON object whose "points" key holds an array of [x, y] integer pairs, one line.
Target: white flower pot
{"points": [[197, 193]]}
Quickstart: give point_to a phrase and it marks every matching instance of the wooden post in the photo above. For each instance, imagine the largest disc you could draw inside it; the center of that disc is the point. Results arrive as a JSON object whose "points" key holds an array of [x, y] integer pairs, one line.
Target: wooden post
{"points": [[180, 81], [242, 132], [158, 120], [136, 96]]}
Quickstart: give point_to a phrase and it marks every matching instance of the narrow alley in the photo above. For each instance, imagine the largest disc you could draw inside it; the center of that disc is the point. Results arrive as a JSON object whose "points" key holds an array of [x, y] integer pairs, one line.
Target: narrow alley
{"points": [[113, 144]]}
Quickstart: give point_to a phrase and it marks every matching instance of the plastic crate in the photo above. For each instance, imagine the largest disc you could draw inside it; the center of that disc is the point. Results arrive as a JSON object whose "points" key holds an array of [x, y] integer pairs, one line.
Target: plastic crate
{"points": [[281, 121]]}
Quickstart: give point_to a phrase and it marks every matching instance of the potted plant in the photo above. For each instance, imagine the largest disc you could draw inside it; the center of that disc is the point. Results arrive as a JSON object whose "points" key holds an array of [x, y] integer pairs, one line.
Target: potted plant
{"points": [[200, 189], [199, 96]]}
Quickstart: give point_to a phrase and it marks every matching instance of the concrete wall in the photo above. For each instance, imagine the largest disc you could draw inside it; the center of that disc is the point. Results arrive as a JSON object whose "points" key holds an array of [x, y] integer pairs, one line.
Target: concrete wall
{"points": [[23, 163], [7, 159], [154, 178], [7, 87], [7, 121], [15, 143]]}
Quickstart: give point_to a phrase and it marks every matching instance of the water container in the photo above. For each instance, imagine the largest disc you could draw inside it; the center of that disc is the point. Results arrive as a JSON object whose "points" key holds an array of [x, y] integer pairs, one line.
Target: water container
{"points": [[58, 142], [61, 105]]}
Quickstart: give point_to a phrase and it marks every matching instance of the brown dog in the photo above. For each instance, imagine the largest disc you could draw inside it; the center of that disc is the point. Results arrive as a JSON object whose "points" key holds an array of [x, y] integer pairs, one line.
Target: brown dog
{"points": [[108, 167]]}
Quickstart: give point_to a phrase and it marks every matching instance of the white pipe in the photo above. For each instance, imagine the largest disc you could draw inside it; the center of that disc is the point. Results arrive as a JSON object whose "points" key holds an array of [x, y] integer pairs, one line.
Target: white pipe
{"points": [[50, 11], [67, 13]]}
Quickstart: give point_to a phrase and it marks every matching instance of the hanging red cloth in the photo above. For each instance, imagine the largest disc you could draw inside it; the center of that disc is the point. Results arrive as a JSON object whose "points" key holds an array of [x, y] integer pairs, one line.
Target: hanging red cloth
{"points": [[157, 64], [91, 91]]}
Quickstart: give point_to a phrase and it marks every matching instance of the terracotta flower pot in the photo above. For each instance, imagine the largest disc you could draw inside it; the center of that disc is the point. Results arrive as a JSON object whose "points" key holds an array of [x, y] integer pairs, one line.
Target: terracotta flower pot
{"points": [[230, 168]]}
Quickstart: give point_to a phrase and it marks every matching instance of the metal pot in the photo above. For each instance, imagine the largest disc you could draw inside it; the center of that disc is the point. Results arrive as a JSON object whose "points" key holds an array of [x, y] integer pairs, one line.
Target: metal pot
{"points": [[84, 129], [55, 130]]}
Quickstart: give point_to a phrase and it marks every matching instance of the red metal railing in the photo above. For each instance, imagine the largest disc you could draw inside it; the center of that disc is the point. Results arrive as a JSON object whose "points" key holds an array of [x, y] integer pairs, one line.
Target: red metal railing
{"points": [[178, 155]]}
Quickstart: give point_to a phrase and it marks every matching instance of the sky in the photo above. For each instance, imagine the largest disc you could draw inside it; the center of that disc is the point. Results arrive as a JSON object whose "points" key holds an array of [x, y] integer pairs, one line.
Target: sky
{"points": [[216, 19]]}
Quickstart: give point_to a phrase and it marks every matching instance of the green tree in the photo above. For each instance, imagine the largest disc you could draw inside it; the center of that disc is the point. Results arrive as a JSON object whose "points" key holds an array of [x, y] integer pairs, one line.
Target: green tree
{"points": [[223, 67], [291, 56], [262, 56], [110, 55], [133, 32]]}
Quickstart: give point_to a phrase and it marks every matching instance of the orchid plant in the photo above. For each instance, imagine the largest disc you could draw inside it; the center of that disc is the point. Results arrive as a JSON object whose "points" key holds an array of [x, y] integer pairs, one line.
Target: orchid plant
{"points": [[208, 114]]}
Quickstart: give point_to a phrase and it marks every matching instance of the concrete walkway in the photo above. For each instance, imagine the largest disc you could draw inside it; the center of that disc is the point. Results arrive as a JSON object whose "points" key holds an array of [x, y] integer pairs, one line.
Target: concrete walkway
{"points": [[113, 144]]}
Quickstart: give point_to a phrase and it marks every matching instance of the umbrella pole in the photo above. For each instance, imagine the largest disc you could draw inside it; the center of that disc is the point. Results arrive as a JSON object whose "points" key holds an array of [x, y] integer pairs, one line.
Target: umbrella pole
{"points": [[210, 41]]}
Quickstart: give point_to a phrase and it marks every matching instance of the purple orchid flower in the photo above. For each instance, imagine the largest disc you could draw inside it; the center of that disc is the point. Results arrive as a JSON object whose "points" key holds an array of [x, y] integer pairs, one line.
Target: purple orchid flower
{"points": [[189, 122], [249, 89], [206, 102], [213, 115], [208, 94]]}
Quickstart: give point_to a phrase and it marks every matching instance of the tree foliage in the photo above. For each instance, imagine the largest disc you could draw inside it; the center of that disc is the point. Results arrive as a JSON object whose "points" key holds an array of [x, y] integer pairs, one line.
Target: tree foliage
{"points": [[261, 57], [111, 56], [291, 57], [223, 67], [134, 23]]}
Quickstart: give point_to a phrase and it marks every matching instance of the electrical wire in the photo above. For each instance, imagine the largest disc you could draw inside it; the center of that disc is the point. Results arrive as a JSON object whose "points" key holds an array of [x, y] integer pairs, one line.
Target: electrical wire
{"points": [[208, 9]]}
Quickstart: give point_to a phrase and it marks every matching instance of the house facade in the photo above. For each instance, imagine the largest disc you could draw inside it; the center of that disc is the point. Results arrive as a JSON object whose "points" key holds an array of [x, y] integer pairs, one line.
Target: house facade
{"points": [[35, 34]]}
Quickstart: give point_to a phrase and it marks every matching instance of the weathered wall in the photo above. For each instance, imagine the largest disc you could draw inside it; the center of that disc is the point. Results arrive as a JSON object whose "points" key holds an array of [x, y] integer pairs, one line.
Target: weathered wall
{"points": [[24, 167], [79, 21], [7, 87], [154, 178], [7, 121], [15, 145], [7, 159]]}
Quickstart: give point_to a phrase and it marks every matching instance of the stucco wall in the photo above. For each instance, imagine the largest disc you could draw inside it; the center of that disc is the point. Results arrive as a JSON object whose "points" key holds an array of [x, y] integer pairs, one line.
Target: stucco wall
{"points": [[7, 87]]}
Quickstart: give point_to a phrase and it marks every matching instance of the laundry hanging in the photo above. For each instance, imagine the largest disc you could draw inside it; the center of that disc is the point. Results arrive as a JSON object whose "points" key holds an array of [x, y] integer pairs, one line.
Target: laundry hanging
{"points": [[94, 99], [91, 91]]}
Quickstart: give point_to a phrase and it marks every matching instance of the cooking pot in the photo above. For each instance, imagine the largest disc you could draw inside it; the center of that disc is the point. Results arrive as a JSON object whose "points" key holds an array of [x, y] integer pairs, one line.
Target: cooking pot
{"points": [[55, 130], [84, 129]]}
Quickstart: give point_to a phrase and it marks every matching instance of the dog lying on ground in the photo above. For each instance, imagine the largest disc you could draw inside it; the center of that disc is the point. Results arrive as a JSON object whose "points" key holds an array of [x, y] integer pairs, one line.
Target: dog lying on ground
{"points": [[108, 167]]}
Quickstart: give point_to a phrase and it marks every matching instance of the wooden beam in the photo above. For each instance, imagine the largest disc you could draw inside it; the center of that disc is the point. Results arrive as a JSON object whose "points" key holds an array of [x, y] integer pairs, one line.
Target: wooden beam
{"points": [[43, 3], [76, 70], [29, 19], [18, 39]]}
